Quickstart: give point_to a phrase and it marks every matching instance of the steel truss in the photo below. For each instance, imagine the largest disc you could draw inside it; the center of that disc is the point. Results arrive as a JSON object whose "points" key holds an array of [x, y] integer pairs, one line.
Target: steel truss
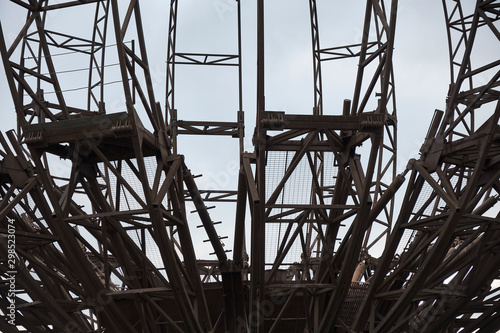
{"points": [[98, 199], [326, 229], [102, 260], [442, 281]]}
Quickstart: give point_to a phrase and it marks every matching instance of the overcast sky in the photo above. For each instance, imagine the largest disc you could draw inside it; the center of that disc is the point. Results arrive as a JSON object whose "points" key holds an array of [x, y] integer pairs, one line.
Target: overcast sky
{"points": [[420, 65]]}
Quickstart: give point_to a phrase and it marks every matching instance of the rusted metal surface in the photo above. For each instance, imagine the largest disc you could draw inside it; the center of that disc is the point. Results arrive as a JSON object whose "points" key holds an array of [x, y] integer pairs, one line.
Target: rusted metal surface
{"points": [[106, 243]]}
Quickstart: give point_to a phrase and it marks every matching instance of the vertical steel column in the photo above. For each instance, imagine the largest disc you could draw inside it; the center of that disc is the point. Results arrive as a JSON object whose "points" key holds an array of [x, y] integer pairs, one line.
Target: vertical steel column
{"points": [[97, 65], [316, 50], [258, 238], [170, 111]]}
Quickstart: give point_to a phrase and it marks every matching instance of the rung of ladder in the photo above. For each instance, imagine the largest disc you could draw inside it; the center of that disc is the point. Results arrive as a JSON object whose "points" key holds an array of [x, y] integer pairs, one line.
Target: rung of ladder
{"points": [[208, 240], [213, 223], [207, 208], [224, 251]]}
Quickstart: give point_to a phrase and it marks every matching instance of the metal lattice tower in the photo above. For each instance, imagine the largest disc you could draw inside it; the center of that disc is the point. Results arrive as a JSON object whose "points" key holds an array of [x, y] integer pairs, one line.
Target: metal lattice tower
{"points": [[100, 199]]}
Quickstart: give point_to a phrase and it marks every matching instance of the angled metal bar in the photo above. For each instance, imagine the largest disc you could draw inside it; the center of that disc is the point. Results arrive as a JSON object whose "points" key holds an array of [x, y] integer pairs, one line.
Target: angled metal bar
{"points": [[297, 157], [116, 172], [204, 216], [286, 243], [6, 206], [360, 225]]}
